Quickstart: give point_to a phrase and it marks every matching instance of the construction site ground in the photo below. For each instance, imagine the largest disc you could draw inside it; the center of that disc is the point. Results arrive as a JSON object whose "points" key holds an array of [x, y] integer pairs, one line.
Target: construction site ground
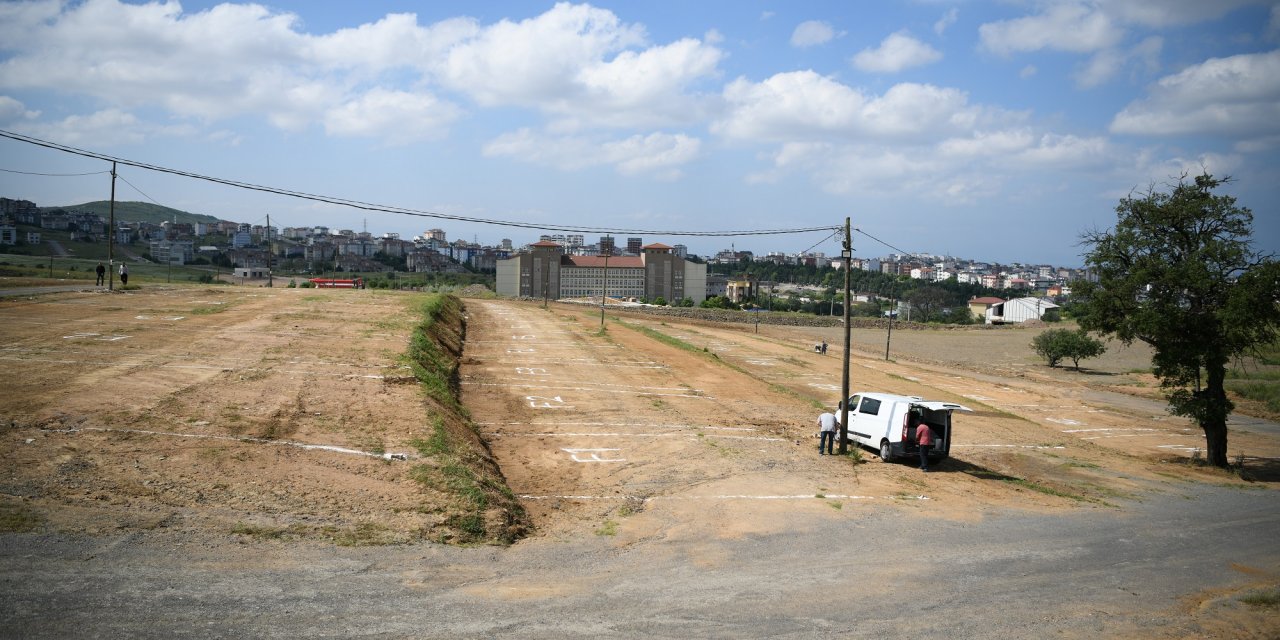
{"points": [[232, 418]]}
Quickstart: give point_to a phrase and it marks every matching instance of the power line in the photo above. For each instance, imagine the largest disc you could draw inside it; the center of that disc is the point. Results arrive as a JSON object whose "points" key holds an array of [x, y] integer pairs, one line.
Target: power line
{"points": [[137, 189], [356, 204], [903, 251], [55, 175]]}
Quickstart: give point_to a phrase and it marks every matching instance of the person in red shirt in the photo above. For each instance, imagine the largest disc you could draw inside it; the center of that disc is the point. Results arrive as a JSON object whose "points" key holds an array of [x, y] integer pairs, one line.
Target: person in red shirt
{"points": [[924, 439]]}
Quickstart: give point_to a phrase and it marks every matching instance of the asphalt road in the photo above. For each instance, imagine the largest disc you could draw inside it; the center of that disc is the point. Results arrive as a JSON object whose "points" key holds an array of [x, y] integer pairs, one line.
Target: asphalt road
{"points": [[1099, 572]]}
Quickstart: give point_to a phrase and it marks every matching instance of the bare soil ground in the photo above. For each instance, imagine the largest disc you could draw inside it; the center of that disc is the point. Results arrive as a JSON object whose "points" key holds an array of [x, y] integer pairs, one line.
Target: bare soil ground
{"points": [[201, 410]]}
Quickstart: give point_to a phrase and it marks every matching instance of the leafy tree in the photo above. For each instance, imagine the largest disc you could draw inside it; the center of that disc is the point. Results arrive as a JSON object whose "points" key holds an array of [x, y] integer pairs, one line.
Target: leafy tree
{"points": [[928, 300], [718, 302], [1178, 273], [1056, 344]]}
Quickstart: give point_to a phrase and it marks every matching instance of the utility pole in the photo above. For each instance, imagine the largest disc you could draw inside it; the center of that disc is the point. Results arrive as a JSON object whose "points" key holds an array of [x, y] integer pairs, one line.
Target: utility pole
{"points": [[889, 336], [111, 234], [271, 282], [847, 255], [604, 284]]}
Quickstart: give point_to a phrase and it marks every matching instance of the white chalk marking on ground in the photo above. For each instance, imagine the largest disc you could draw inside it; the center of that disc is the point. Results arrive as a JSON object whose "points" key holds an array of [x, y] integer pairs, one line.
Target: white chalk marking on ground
{"points": [[205, 436], [547, 403], [1069, 422], [594, 455], [825, 496], [545, 434], [199, 367], [1138, 435], [598, 384], [590, 390], [977, 397], [650, 425], [88, 335], [1016, 446], [912, 378], [1106, 429], [824, 387], [601, 364]]}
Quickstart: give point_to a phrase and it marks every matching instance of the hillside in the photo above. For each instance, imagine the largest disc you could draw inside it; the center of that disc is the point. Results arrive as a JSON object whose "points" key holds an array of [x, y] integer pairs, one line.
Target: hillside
{"points": [[137, 212]]}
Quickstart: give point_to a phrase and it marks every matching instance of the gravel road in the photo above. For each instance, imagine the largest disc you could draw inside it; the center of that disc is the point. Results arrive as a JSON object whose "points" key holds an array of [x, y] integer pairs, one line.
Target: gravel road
{"points": [[1006, 575]]}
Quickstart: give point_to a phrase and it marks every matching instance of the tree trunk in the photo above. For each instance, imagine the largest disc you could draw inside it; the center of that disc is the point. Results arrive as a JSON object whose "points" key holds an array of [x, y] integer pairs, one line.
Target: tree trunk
{"points": [[1216, 410]]}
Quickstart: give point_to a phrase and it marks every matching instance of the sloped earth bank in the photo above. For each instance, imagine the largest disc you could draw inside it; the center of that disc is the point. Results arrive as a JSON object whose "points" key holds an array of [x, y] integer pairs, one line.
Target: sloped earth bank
{"points": [[669, 470]]}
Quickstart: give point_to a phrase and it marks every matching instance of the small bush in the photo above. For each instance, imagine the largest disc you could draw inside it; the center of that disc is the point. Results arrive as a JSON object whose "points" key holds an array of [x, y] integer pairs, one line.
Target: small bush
{"points": [[1055, 345]]}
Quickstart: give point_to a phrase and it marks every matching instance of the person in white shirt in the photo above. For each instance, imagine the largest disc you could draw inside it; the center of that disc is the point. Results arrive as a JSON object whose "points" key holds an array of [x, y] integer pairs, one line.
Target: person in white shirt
{"points": [[826, 432]]}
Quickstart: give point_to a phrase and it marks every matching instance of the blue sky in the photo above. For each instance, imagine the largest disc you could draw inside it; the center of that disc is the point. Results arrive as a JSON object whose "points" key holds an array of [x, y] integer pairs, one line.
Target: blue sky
{"points": [[988, 130]]}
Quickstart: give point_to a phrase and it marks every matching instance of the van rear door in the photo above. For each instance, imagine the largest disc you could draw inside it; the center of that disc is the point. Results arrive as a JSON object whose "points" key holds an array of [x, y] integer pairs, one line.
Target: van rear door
{"points": [[938, 415]]}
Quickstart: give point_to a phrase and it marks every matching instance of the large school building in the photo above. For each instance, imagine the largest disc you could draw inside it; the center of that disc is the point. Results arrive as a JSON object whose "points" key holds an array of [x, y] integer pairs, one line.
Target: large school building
{"points": [[544, 271]]}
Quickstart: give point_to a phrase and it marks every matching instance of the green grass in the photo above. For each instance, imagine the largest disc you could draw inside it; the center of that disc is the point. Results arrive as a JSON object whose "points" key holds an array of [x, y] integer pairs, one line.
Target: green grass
{"points": [[609, 528], [1267, 598], [15, 517]]}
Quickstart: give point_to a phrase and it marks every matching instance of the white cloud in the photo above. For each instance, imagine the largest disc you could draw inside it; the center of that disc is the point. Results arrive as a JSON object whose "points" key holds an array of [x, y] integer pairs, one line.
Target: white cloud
{"points": [[1102, 66], [804, 106], [1063, 27], [659, 155], [644, 88], [106, 127], [947, 19], [1028, 71], [1105, 64], [398, 116], [577, 63], [11, 109], [812, 33], [1237, 97], [538, 60], [1060, 151], [896, 52]]}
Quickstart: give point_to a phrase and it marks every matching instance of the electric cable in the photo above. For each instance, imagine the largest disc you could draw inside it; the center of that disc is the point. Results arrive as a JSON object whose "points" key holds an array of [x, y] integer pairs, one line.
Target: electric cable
{"points": [[357, 204], [54, 175]]}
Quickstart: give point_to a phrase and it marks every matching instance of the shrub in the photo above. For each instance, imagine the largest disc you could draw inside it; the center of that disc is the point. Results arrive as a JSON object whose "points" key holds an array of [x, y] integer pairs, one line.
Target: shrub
{"points": [[1056, 344]]}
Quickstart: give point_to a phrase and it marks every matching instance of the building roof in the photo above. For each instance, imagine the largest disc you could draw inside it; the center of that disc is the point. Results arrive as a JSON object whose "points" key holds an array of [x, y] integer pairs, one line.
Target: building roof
{"points": [[615, 262], [544, 243], [656, 245], [986, 300]]}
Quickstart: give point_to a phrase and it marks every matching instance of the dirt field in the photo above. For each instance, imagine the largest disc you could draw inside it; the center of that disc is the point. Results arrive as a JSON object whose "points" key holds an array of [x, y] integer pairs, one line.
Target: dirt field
{"points": [[229, 413]]}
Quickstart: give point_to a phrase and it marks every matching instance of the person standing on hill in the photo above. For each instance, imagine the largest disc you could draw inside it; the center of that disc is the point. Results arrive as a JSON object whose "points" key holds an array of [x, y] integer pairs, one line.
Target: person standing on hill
{"points": [[826, 432], [102, 274], [124, 274]]}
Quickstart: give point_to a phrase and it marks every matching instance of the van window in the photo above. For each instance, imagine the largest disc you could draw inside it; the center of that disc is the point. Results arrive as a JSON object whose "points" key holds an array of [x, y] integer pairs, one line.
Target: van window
{"points": [[870, 406]]}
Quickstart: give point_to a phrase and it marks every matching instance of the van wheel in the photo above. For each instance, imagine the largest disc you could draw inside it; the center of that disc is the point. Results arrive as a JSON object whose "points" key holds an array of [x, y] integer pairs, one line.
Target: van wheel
{"points": [[886, 452]]}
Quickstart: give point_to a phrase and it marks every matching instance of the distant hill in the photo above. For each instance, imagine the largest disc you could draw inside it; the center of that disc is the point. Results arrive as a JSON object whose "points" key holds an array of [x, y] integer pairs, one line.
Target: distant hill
{"points": [[137, 212]]}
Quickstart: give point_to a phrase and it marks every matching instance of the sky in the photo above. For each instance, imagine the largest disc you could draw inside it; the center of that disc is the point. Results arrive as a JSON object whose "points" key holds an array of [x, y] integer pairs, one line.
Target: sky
{"points": [[996, 131]]}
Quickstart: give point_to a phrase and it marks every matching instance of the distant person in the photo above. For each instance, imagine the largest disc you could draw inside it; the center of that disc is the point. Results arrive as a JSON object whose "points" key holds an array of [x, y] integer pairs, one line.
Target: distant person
{"points": [[124, 274], [826, 432], [824, 347], [102, 274], [924, 438]]}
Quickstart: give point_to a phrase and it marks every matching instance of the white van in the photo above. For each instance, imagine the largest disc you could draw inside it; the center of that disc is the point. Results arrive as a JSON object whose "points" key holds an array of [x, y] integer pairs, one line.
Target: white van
{"points": [[883, 422]]}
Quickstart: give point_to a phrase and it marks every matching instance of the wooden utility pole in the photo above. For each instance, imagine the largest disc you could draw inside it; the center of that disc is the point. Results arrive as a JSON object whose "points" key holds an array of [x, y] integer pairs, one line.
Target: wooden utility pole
{"points": [[847, 255], [604, 284], [111, 233], [271, 282]]}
